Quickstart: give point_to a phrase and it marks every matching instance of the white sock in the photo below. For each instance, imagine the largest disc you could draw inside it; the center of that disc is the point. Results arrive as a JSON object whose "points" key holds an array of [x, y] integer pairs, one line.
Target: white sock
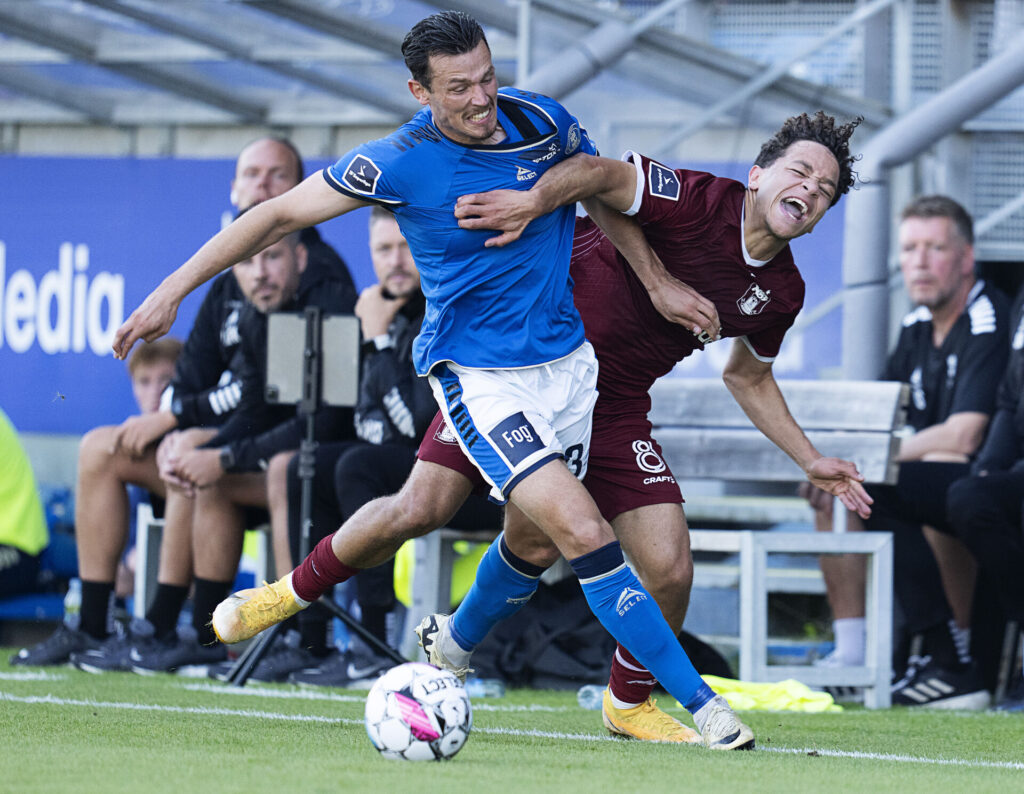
{"points": [[850, 636], [300, 601], [452, 651], [700, 716]]}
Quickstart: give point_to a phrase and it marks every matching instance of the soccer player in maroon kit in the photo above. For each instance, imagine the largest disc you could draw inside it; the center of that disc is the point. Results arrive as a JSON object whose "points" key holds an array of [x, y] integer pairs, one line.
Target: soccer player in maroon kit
{"points": [[728, 242]]}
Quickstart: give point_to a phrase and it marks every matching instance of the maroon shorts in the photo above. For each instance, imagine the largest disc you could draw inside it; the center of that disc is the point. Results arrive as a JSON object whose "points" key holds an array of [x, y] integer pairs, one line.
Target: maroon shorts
{"points": [[439, 446], [625, 471]]}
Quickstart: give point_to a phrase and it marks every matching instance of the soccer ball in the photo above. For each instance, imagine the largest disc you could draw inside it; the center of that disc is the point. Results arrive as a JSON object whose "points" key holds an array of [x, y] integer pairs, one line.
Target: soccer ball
{"points": [[415, 712]]}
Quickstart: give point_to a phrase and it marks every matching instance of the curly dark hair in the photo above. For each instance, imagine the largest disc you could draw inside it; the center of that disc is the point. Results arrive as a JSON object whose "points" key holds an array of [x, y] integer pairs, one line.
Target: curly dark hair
{"points": [[821, 128], [443, 33]]}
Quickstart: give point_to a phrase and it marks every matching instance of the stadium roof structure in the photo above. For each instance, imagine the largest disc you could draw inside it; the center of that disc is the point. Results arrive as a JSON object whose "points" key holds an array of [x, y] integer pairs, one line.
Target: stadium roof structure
{"points": [[337, 62]]}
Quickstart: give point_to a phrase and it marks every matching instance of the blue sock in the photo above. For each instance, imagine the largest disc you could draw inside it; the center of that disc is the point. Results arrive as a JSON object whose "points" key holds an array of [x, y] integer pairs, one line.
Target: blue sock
{"points": [[503, 584], [632, 617]]}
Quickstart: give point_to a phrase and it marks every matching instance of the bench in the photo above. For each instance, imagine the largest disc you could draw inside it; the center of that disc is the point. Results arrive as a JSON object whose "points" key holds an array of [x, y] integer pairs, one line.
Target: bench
{"points": [[705, 435]]}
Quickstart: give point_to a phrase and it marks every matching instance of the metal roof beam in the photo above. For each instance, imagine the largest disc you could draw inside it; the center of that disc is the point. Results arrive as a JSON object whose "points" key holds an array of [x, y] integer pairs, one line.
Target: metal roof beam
{"points": [[359, 91], [309, 13], [709, 71], [29, 84], [20, 25], [313, 15]]}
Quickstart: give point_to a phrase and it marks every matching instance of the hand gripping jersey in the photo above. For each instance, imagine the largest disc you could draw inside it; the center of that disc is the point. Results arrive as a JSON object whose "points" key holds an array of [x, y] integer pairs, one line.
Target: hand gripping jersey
{"points": [[694, 222], [487, 308]]}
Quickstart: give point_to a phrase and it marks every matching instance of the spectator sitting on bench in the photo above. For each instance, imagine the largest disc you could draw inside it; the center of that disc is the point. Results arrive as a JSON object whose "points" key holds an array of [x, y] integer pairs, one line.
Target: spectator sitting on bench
{"points": [[213, 485], [952, 351], [986, 508], [394, 409], [23, 532], [107, 467]]}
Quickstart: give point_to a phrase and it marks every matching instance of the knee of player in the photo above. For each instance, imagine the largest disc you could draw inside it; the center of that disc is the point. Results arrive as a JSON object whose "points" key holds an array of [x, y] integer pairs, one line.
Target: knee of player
{"points": [[413, 516], [672, 579], [589, 533]]}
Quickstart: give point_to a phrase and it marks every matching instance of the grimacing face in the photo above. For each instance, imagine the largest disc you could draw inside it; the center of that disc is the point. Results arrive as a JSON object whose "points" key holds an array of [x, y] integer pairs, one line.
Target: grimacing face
{"points": [[463, 95], [265, 169], [392, 261], [270, 278], [795, 191], [934, 259]]}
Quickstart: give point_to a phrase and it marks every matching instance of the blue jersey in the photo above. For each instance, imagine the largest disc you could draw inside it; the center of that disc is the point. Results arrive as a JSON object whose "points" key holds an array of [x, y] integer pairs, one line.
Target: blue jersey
{"points": [[487, 308]]}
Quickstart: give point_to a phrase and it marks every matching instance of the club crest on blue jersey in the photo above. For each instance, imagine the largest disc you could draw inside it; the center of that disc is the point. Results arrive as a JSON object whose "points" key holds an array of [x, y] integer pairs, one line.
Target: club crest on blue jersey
{"points": [[663, 182], [572, 139], [516, 439], [362, 174], [754, 300]]}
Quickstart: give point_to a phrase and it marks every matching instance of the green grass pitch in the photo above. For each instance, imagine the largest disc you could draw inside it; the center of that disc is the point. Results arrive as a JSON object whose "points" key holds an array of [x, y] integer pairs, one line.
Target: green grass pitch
{"points": [[68, 731]]}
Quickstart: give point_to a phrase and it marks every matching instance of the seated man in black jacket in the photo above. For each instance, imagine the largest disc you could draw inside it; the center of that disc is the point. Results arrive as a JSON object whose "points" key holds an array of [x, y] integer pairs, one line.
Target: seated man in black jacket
{"points": [[214, 483]]}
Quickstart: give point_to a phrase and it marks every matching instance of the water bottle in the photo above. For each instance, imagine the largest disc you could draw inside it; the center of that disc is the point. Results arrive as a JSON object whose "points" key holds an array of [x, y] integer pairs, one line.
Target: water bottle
{"points": [[485, 688], [590, 697], [73, 603]]}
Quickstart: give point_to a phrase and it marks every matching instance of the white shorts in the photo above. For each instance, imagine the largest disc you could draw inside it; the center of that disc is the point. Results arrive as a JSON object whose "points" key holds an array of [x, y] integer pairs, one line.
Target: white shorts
{"points": [[510, 422]]}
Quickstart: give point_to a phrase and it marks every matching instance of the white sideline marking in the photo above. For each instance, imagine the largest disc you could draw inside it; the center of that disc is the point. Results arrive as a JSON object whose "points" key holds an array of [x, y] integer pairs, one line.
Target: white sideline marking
{"points": [[908, 759], [227, 689], [207, 710], [27, 676]]}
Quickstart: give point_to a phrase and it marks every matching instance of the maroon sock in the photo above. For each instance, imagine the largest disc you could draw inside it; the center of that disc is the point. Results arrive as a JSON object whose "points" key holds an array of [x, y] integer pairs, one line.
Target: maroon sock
{"points": [[630, 681], [319, 572]]}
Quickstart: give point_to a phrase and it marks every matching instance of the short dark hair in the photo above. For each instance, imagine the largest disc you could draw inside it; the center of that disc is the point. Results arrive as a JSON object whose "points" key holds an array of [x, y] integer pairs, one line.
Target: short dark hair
{"points": [[942, 207], [166, 348], [443, 33], [821, 128]]}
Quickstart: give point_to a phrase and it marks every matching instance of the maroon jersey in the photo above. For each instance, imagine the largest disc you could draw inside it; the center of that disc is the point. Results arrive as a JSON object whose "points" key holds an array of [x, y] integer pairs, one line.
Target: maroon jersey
{"points": [[694, 222]]}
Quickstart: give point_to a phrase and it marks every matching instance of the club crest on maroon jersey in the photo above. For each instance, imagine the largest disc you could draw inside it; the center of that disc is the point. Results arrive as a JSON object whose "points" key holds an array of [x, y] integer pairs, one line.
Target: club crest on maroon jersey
{"points": [[754, 300]]}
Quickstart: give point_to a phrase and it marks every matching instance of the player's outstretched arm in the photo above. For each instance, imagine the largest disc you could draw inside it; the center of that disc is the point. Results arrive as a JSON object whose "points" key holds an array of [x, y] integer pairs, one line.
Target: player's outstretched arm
{"points": [[575, 178], [307, 204], [753, 386]]}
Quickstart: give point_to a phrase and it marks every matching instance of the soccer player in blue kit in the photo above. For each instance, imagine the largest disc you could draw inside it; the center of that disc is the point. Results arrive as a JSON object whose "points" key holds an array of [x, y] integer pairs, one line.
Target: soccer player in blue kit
{"points": [[501, 343]]}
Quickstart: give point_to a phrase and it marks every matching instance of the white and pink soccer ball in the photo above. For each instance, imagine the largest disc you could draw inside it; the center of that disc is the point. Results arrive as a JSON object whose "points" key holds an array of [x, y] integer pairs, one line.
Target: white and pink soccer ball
{"points": [[416, 712]]}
